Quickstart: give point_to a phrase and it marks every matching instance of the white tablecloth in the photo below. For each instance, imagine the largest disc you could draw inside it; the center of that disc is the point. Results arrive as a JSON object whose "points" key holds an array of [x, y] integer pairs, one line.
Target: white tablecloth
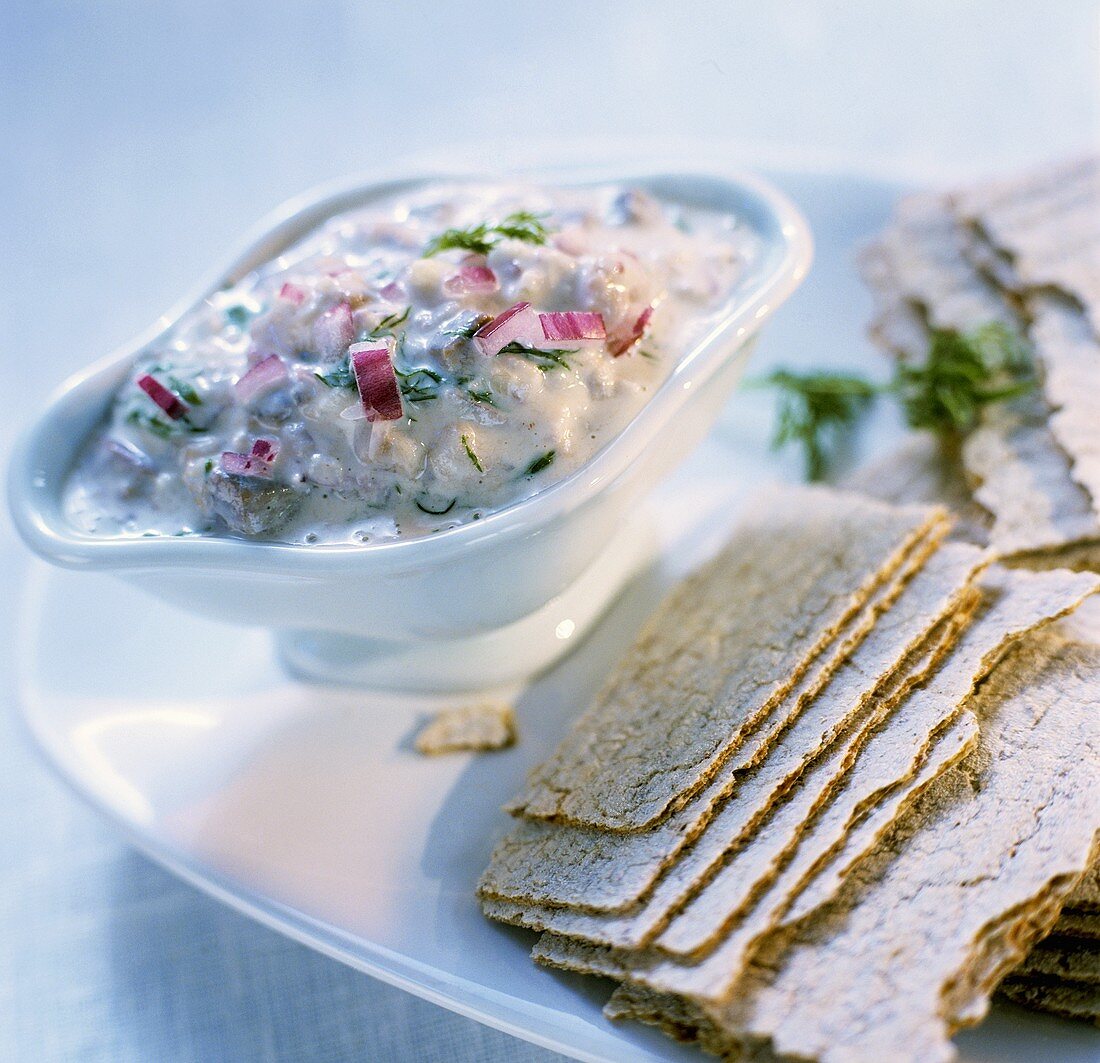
{"points": [[137, 140]]}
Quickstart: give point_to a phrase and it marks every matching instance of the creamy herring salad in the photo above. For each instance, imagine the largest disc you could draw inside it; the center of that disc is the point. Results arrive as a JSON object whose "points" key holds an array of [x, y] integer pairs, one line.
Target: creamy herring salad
{"points": [[409, 367]]}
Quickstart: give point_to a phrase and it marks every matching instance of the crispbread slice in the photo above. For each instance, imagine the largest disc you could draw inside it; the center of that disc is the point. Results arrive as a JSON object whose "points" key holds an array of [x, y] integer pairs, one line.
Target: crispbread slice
{"points": [[1024, 479], [1047, 227], [939, 908], [1074, 922], [1064, 1000], [583, 866], [1016, 603], [958, 894], [927, 250], [743, 823], [1022, 476], [1070, 356], [1086, 894], [928, 470], [739, 895], [710, 663], [1063, 959], [468, 728]]}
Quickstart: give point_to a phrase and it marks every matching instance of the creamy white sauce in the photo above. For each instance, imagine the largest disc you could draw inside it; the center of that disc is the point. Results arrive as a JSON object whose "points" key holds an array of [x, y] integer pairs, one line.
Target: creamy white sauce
{"points": [[476, 433]]}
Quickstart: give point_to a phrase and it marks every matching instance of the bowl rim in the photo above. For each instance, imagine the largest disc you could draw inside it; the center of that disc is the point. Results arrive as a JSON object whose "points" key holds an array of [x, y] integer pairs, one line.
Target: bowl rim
{"points": [[283, 226]]}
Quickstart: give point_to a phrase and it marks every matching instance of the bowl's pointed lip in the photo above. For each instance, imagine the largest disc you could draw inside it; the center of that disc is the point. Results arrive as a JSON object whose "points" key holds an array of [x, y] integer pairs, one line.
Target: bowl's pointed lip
{"points": [[49, 535]]}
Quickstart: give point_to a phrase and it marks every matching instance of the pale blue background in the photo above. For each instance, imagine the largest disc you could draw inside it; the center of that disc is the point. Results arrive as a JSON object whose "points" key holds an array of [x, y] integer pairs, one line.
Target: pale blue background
{"points": [[137, 140]]}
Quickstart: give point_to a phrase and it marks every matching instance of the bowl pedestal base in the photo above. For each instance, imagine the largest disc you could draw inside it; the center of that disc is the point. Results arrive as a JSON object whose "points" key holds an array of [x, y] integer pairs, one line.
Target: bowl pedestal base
{"points": [[487, 659]]}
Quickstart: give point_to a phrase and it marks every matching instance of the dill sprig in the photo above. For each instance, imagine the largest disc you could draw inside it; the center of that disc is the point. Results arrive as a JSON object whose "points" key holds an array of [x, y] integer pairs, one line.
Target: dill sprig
{"points": [[543, 461], [483, 237], [961, 375], [815, 409], [474, 460], [544, 358]]}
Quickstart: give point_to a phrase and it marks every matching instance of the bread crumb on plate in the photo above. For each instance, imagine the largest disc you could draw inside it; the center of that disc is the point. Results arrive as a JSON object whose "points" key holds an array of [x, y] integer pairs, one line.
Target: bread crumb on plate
{"points": [[468, 728]]}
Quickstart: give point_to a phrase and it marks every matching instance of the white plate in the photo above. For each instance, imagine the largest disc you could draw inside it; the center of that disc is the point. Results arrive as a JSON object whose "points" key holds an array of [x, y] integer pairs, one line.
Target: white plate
{"points": [[305, 807]]}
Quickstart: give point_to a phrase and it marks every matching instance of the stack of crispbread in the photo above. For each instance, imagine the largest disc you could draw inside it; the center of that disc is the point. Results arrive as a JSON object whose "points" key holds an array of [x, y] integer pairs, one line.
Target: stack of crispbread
{"points": [[788, 801], [1025, 254]]}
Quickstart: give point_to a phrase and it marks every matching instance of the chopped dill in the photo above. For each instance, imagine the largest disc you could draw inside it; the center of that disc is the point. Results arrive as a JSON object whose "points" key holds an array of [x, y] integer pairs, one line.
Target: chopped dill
{"points": [[340, 377], [388, 325], [419, 385], [484, 397], [238, 315], [434, 512], [471, 455], [465, 332], [542, 358], [483, 237], [543, 461], [185, 391]]}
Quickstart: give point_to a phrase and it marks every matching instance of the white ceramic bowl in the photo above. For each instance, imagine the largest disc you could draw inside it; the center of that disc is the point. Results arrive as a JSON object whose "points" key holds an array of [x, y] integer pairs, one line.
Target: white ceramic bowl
{"points": [[494, 599]]}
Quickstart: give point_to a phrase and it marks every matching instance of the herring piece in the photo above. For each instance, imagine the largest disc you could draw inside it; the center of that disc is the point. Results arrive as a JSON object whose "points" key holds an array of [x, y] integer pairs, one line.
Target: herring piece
{"points": [[248, 504]]}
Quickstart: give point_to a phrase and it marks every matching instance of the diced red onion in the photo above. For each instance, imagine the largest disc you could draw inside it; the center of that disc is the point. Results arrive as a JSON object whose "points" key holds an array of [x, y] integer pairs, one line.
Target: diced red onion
{"points": [[378, 389], [474, 279], [292, 293], [518, 324], [245, 464], [265, 450], [573, 325], [392, 292], [127, 452], [622, 343], [261, 377], [170, 403], [333, 331]]}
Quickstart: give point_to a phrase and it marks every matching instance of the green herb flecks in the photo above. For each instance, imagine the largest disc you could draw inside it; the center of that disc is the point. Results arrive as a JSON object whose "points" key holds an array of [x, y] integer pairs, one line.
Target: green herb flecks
{"points": [[962, 374], [483, 397], [340, 377], [158, 426], [418, 385], [238, 315], [542, 358], [435, 512], [474, 460], [388, 325], [185, 391], [482, 238], [543, 461], [465, 332]]}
